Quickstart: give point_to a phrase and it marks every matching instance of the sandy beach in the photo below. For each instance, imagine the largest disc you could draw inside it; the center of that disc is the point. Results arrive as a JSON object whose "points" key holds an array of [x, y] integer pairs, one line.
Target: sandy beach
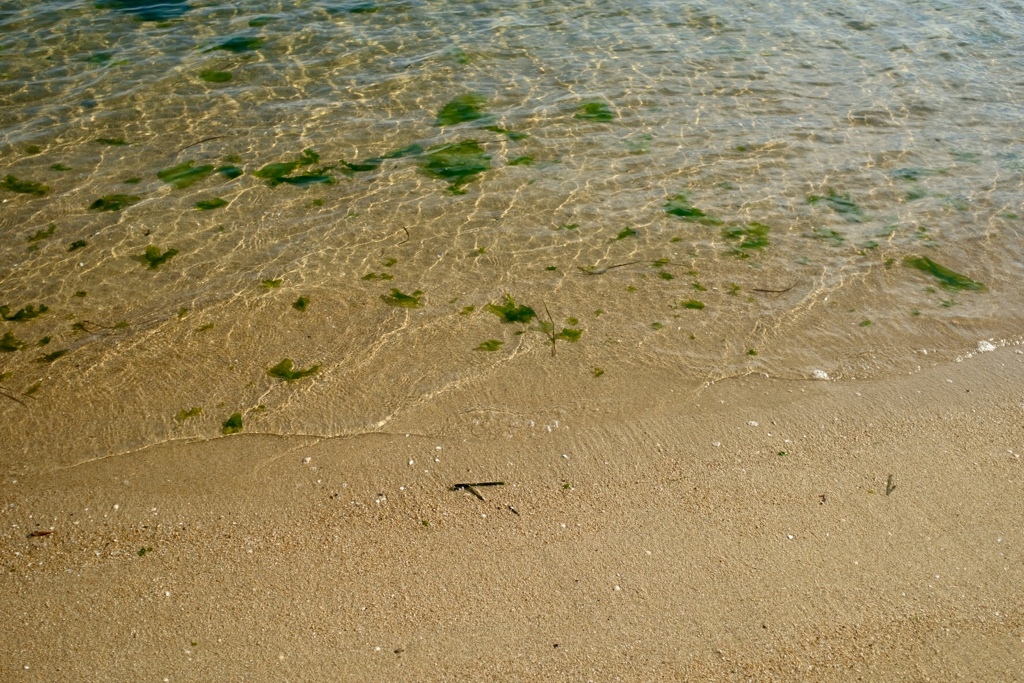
{"points": [[647, 530]]}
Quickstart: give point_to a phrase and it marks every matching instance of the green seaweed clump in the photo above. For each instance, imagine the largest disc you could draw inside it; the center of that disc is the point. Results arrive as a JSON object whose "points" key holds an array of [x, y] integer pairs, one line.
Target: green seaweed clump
{"points": [[680, 206], [24, 314], [9, 343], [212, 76], [43, 234], [284, 371], [281, 172], [60, 167], [184, 174], [595, 111], [114, 202], [949, 279], [374, 163], [525, 160], [753, 236], [153, 258], [468, 107], [301, 304], [50, 357], [513, 135], [232, 425], [490, 345], [510, 312], [840, 203], [77, 244], [397, 298], [827, 235], [24, 186], [271, 284], [112, 142], [458, 163], [569, 334], [229, 172], [624, 233], [238, 44], [692, 304], [210, 204]]}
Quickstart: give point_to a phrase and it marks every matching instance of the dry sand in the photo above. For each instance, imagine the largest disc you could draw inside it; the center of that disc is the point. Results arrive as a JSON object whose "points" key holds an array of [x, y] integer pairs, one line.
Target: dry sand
{"points": [[658, 533]]}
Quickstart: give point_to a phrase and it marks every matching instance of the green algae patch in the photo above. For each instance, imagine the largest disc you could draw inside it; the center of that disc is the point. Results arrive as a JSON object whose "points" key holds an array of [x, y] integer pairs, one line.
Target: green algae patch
{"points": [[490, 345], [401, 300], [239, 44], [840, 203], [301, 304], [374, 163], [826, 235], [525, 160], [194, 411], [594, 111], [271, 284], [459, 163], [681, 207], [112, 142], [948, 278], [24, 313], [513, 135], [24, 186], [569, 334], [216, 76], [285, 371], [43, 234], [692, 304], [210, 204], [114, 202], [51, 357], [77, 244], [624, 233], [377, 276], [468, 107], [281, 172], [9, 343], [229, 172], [153, 257], [185, 174], [510, 312], [60, 167], [232, 425], [745, 238]]}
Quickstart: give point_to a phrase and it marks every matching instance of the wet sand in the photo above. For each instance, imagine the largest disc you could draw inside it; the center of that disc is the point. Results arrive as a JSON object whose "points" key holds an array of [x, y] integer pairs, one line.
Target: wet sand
{"points": [[647, 530]]}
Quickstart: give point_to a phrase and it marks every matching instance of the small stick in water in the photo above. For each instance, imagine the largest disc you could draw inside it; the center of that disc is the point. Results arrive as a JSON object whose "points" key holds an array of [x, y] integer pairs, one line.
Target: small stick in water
{"points": [[472, 487], [890, 485]]}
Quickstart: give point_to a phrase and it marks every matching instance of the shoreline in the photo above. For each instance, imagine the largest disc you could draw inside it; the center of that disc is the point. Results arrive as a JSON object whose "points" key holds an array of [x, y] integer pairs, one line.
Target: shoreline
{"points": [[648, 553]]}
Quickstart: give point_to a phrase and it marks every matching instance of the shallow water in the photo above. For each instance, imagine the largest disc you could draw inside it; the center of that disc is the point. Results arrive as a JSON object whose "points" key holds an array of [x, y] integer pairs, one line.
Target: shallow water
{"points": [[611, 165]]}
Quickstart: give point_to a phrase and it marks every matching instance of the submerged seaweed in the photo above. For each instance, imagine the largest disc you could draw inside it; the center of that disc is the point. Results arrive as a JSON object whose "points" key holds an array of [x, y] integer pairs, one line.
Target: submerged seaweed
{"points": [[9, 343], [397, 298], [595, 111], [24, 186], [184, 174], [239, 44], [680, 206], [840, 203], [753, 236], [948, 278], [232, 425], [458, 163], [281, 172], [215, 76], [114, 202], [153, 258], [210, 204], [23, 314], [490, 345], [284, 371], [148, 10], [510, 312], [468, 107], [43, 234]]}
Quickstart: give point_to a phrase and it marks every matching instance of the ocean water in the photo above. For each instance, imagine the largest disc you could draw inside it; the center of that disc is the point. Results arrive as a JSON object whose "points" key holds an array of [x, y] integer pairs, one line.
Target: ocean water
{"points": [[194, 192]]}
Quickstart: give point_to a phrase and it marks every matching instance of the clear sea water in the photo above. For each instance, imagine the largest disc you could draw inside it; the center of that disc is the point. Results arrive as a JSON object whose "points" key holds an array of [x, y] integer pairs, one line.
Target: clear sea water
{"points": [[710, 188]]}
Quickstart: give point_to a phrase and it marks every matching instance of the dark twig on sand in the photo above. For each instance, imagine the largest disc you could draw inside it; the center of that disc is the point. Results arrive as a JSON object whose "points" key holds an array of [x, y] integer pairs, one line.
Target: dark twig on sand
{"points": [[13, 398], [551, 332], [472, 487], [774, 291], [594, 270], [215, 137]]}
